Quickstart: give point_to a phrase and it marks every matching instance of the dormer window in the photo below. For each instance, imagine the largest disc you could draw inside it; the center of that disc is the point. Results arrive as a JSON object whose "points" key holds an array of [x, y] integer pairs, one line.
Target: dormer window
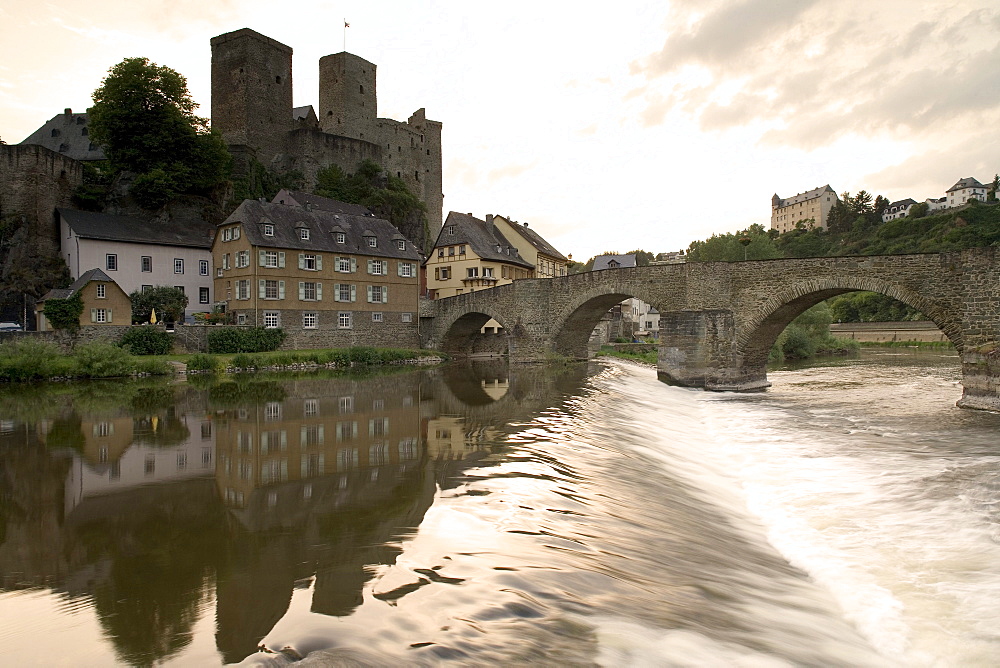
{"points": [[372, 242], [341, 238], [400, 244], [268, 230], [303, 234], [499, 248], [451, 229]]}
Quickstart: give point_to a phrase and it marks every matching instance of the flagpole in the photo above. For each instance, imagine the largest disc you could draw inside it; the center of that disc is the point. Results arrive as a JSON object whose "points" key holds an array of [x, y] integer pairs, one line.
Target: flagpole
{"points": [[346, 25]]}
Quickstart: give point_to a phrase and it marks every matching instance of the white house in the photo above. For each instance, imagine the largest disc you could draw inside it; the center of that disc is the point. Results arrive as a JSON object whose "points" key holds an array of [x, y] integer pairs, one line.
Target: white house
{"points": [[898, 209], [139, 254], [966, 189]]}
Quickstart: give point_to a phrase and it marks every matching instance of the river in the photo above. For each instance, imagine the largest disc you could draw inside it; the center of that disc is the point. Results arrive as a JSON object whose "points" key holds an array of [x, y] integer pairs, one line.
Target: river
{"points": [[470, 514]]}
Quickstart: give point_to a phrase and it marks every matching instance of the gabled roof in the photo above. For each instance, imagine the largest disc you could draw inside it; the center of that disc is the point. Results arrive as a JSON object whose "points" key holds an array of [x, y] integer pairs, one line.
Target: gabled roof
{"points": [[967, 182], [65, 133], [306, 200], [903, 203], [604, 261], [483, 238], [85, 277], [802, 197], [132, 229], [536, 240], [322, 226]]}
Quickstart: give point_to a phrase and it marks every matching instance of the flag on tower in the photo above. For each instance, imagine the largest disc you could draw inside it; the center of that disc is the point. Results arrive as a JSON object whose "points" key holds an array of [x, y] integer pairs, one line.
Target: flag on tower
{"points": [[346, 24]]}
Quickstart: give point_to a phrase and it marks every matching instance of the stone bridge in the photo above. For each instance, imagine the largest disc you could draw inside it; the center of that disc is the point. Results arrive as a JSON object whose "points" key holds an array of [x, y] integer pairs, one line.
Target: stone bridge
{"points": [[718, 320]]}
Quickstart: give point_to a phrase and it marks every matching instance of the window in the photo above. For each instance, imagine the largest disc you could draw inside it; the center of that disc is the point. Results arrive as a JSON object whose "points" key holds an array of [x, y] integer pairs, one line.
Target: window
{"points": [[377, 267], [461, 250], [451, 251], [272, 289], [268, 230], [100, 315], [376, 316], [310, 407], [346, 265], [203, 267], [178, 265], [472, 272], [241, 318], [111, 262], [406, 317], [202, 295], [407, 269], [146, 263], [309, 319], [310, 262], [341, 237], [101, 291], [440, 252], [303, 234], [344, 292], [451, 229], [271, 259], [487, 272], [400, 244], [179, 287], [309, 291], [271, 319], [372, 242], [147, 288], [243, 289], [227, 234], [442, 273], [378, 294], [344, 320], [346, 405], [243, 259], [225, 261]]}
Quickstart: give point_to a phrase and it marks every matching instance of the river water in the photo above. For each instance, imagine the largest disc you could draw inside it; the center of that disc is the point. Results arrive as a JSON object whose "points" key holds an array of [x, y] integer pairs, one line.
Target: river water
{"points": [[471, 514]]}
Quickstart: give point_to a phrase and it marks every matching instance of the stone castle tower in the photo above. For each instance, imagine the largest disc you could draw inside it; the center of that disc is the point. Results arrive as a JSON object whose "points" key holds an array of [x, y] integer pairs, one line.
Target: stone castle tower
{"points": [[252, 108]]}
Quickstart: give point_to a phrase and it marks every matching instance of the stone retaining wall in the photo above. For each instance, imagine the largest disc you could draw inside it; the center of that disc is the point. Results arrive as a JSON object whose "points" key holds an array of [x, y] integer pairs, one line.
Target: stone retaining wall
{"points": [[919, 331]]}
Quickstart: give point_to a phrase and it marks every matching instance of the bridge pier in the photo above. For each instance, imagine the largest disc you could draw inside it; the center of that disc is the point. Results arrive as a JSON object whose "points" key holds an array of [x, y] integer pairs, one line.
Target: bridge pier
{"points": [[981, 380], [698, 349]]}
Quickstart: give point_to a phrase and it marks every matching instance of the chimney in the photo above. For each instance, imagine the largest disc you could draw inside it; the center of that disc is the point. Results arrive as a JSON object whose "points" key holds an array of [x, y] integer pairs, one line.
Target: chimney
{"points": [[68, 112], [308, 206], [525, 224], [489, 219]]}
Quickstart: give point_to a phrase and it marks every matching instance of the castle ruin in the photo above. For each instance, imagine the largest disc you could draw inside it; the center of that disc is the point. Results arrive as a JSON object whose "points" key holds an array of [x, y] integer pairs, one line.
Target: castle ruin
{"points": [[252, 108]]}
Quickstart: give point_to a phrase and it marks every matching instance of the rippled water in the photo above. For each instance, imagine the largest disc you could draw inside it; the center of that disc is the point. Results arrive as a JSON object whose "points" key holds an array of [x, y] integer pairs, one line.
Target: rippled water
{"points": [[578, 515]]}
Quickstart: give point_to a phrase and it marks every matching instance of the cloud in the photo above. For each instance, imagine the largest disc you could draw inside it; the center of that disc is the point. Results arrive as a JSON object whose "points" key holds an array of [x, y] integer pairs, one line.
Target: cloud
{"points": [[509, 171], [814, 72]]}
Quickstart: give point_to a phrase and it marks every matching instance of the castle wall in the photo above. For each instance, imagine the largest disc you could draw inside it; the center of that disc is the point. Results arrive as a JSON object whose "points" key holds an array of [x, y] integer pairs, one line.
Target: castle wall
{"points": [[311, 150], [33, 182], [252, 91]]}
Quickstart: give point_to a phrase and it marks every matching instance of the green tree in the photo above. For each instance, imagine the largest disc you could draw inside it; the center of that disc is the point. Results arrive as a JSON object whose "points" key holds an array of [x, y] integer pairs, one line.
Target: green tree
{"points": [[642, 258], [64, 313], [382, 193], [143, 117], [991, 195], [729, 248], [168, 301], [919, 210]]}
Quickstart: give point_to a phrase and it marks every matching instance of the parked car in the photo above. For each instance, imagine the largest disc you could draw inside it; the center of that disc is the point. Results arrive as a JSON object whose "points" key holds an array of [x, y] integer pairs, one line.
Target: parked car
{"points": [[10, 327]]}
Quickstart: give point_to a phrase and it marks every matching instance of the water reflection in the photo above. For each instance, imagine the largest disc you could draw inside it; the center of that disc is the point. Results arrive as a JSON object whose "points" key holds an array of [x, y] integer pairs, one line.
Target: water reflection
{"points": [[152, 501]]}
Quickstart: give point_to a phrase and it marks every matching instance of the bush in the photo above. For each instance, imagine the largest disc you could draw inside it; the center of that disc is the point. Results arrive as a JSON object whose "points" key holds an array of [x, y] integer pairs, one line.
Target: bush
{"points": [[152, 367], [227, 340], [146, 341], [64, 313], [203, 362], [103, 360], [32, 360], [246, 361], [796, 344]]}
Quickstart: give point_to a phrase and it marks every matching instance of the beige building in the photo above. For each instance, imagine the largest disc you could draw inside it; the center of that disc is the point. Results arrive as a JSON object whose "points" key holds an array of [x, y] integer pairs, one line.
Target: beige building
{"points": [[472, 254], [328, 279], [811, 208], [548, 262], [104, 302]]}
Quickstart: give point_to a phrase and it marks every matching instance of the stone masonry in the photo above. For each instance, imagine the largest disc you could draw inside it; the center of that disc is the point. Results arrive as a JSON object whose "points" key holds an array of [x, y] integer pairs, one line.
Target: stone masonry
{"points": [[719, 320]]}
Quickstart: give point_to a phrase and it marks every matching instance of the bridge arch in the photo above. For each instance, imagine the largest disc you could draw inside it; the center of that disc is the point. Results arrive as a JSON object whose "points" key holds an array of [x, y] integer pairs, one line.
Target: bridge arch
{"points": [[760, 327], [573, 324], [460, 330]]}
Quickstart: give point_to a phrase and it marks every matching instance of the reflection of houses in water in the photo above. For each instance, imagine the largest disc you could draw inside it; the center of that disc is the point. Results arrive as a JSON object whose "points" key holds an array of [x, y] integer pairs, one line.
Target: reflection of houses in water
{"points": [[316, 434], [122, 452]]}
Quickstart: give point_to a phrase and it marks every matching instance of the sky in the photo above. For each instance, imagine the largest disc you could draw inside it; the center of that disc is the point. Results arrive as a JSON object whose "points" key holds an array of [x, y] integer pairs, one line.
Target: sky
{"points": [[607, 127]]}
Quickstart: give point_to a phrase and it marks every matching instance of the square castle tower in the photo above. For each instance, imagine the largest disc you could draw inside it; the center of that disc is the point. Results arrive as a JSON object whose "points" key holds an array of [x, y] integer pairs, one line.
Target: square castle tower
{"points": [[252, 108]]}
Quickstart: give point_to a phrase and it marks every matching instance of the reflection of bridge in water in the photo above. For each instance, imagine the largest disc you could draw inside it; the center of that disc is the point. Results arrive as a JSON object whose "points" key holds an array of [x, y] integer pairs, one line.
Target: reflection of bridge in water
{"points": [[719, 320]]}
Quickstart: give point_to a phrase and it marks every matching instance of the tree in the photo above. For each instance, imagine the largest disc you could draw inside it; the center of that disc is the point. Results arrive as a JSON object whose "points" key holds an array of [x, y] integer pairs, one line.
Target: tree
{"points": [[919, 210], [729, 248], [168, 301], [382, 193], [143, 118], [642, 258], [991, 195], [64, 313]]}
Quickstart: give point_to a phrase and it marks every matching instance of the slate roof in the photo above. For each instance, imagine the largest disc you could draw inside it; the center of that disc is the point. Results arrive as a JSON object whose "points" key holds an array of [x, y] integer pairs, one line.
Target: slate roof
{"points": [[70, 139], [801, 197], [132, 229], [322, 226], [967, 182], [297, 198], [624, 261], [85, 277], [901, 204], [536, 240], [482, 237]]}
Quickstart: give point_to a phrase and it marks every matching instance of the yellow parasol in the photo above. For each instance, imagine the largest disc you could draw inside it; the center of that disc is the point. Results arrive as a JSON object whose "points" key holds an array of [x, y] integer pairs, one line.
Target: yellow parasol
{"points": [[152, 317]]}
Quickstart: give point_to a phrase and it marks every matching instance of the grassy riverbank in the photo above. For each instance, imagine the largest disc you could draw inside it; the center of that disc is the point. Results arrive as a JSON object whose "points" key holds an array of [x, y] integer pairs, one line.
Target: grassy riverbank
{"points": [[30, 360]]}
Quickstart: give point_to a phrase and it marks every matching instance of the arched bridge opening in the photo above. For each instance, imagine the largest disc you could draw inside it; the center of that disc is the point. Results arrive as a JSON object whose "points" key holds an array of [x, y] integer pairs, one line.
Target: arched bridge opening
{"points": [[575, 338], [465, 337]]}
